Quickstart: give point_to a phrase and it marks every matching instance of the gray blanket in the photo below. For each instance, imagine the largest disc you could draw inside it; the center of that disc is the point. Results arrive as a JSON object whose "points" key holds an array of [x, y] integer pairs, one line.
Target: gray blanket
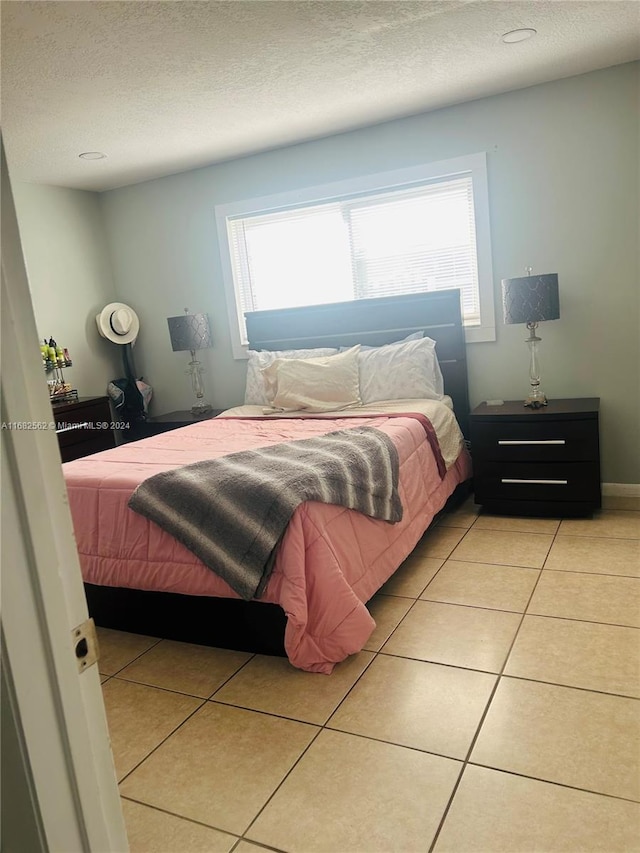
{"points": [[232, 511]]}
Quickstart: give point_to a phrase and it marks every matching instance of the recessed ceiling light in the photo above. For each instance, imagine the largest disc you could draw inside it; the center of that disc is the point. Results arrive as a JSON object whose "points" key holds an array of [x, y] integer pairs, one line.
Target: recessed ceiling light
{"points": [[518, 35], [92, 155]]}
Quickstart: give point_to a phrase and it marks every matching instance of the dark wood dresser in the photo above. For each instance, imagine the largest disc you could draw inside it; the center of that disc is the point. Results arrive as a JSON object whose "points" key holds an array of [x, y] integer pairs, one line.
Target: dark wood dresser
{"points": [[537, 461], [83, 427]]}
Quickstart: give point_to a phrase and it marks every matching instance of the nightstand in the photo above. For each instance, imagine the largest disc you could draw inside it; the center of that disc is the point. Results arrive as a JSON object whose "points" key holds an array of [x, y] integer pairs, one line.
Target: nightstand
{"points": [[165, 423], [175, 420], [83, 427], [537, 461]]}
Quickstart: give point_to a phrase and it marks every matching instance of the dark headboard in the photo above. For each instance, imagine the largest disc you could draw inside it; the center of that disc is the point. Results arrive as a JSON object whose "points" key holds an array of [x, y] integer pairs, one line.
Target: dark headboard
{"points": [[374, 322]]}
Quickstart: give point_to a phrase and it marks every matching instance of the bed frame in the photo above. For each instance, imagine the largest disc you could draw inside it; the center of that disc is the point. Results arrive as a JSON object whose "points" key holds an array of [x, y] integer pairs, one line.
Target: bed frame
{"points": [[374, 322], [259, 626]]}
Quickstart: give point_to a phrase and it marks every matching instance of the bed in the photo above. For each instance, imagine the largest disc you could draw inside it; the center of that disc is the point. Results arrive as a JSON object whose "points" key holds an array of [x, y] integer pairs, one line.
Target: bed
{"points": [[331, 560]]}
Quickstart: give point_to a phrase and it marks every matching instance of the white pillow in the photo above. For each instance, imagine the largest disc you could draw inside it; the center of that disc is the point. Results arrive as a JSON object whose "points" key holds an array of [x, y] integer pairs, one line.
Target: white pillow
{"points": [[325, 384], [407, 369], [255, 392], [412, 337]]}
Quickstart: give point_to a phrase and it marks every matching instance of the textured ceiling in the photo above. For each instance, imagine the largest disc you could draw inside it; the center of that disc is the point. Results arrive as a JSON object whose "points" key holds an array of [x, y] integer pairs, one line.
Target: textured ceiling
{"points": [[161, 87]]}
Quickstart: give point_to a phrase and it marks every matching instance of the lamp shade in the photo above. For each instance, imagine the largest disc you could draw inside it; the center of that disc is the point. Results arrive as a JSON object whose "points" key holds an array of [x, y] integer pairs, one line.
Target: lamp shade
{"points": [[189, 332], [530, 299]]}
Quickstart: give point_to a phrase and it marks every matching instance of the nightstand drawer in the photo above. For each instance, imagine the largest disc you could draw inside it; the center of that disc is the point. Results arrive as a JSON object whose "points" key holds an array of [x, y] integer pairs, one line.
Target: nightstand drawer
{"points": [[535, 481], [83, 427], [550, 441], [80, 423], [89, 443]]}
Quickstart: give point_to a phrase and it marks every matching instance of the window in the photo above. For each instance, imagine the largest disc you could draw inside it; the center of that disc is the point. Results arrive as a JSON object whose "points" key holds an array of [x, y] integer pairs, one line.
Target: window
{"points": [[409, 231]]}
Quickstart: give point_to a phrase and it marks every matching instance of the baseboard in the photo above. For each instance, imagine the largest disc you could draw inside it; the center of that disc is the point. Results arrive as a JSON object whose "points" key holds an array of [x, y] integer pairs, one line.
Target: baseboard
{"points": [[621, 496]]}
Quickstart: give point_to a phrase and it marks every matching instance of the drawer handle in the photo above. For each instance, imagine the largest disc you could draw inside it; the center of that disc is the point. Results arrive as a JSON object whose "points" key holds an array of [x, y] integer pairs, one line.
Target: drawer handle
{"points": [[72, 426], [509, 441], [542, 482]]}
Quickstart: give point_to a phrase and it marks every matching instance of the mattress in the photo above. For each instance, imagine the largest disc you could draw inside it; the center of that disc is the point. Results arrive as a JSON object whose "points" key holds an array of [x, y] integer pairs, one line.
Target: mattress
{"points": [[331, 560]]}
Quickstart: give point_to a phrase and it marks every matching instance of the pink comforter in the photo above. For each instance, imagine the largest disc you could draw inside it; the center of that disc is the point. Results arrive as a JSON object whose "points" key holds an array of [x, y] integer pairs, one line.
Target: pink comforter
{"points": [[331, 559]]}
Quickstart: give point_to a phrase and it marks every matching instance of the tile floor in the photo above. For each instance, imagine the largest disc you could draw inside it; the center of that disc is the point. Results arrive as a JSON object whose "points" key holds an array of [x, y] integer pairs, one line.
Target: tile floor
{"points": [[495, 708]]}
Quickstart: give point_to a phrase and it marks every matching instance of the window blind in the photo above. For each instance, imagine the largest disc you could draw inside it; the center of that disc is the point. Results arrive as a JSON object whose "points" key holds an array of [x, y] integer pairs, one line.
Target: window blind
{"points": [[387, 243]]}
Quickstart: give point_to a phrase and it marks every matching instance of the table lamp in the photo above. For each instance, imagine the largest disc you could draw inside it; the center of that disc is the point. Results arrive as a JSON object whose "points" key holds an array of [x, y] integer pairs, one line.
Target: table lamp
{"points": [[531, 300], [191, 332]]}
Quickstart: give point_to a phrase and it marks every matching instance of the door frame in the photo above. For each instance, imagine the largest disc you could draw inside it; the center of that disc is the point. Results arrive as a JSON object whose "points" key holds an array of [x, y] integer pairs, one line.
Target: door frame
{"points": [[59, 710]]}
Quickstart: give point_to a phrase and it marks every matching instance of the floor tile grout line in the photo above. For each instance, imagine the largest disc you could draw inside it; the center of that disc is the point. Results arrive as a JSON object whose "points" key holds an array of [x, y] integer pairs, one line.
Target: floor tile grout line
{"points": [[327, 723], [570, 686], [374, 739], [180, 816], [486, 709], [164, 740], [554, 782], [502, 675], [599, 536], [517, 612], [212, 699], [415, 600], [230, 677], [464, 604], [195, 711], [457, 783], [460, 666], [260, 844], [374, 651], [470, 606], [583, 621], [519, 568], [281, 716], [223, 704], [527, 612], [374, 655], [119, 677], [326, 726], [409, 597], [511, 530], [463, 762], [212, 696], [282, 781], [321, 728], [531, 596], [539, 570], [489, 562], [133, 660], [592, 574]]}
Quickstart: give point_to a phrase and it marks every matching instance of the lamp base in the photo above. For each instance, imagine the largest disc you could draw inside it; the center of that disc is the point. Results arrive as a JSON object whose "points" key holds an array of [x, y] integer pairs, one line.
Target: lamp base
{"points": [[201, 408], [536, 400]]}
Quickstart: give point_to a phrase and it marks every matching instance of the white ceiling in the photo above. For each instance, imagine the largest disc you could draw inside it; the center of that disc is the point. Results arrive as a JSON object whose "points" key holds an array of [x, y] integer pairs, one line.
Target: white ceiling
{"points": [[161, 87]]}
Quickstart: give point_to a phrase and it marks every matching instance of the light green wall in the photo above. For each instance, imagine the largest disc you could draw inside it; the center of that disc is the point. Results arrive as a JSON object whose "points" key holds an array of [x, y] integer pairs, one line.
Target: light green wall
{"points": [[563, 184], [67, 260]]}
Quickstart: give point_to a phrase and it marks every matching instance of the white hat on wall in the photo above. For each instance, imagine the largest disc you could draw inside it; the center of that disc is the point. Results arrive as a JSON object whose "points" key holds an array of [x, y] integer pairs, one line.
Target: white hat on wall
{"points": [[119, 323]]}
